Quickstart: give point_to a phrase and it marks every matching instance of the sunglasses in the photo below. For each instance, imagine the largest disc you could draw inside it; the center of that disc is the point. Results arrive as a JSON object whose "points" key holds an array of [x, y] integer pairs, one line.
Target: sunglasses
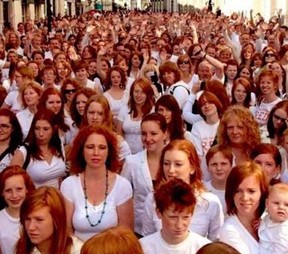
{"points": [[278, 118], [184, 62], [269, 55], [69, 91]]}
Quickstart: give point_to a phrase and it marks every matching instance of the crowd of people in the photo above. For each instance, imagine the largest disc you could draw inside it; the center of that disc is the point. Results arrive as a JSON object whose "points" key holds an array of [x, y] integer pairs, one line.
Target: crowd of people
{"points": [[141, 132]]}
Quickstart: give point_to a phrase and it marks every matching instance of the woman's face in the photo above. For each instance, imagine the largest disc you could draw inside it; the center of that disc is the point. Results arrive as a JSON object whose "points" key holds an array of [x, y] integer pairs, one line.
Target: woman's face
{"points": [[18, 78], [267, 85], [43, 132], [152, 136], [275, 67], [247, 197], [115, 78], [258, 62], [245, 73], [95, 114], [69, 92], [31, 97], [240, 94], [81, 101], [247, 54], [236, 131], [65, 46], [169, 78], [92, 68], [95, 151], [104, 66], [268, 165], [5, 128], [136, 61], [123, 66], [279, 118], [34, 68], [54, 103], [184, 65], [208, 109], [176, 164], [139, 95], [269, 57], [40, 227], [14, 191], [231, 71], [60, 58], [166, 113], [81, 74], [86, 53], [62, 71]]}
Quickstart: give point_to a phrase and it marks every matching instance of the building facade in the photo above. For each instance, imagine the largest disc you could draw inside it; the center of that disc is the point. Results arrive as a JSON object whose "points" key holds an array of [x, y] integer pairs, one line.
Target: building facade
{"points": [[15, 11]]}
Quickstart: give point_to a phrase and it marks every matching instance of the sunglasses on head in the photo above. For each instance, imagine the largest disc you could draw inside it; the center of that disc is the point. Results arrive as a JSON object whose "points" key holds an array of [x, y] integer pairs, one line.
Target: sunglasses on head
{"points": [[69, 91]]}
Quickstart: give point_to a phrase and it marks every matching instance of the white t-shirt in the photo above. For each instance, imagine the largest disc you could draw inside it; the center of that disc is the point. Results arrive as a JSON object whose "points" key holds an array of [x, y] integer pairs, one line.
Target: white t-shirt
{"points": [[44, 174], [273, 236], [72, 190], [235, 234], [155, 244], [9, 232], [114, 104], [25, 118]]}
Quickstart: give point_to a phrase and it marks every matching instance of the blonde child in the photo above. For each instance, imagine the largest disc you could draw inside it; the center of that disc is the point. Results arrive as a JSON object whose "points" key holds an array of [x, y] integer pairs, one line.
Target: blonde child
{"points": [[273, 230]]}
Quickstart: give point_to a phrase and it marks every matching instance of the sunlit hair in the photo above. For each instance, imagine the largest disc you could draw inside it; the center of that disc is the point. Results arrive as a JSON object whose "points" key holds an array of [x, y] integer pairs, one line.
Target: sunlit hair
{"points": [[224, 150], [122, 75], [169, 67], [66, 66], [25, 71], [236, 177], [51, 198], [188, 148], [270, 74], [149, 68], [115, 240], [76, 117], [60, 115], [46, 68], [279, 188], [107, 114], [265, 148], [248, 89], [186, 58], [15, 171], [248, 46], [33, 85], [216, 87], [146, 86], [231, 62], [217, 247], [66, 82], [54, 142], [80, 64], [176, 126], [16, 134], [211, 98], [175, 193], [78, 163], [245, 117], [156, 118]]}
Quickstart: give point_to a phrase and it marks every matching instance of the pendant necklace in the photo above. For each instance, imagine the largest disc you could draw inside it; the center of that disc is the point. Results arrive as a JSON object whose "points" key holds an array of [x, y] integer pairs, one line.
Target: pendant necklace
{"points": [[104, 203]]}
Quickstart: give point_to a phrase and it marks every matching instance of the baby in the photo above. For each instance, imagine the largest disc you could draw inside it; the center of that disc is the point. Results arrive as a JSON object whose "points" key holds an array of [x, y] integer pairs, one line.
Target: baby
{"points": [[273, 230]]}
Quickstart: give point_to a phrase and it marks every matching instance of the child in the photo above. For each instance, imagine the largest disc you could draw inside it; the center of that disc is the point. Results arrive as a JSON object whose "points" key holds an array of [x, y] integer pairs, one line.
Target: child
{"points": [[273, 230], [219, 161], [175, 203]]}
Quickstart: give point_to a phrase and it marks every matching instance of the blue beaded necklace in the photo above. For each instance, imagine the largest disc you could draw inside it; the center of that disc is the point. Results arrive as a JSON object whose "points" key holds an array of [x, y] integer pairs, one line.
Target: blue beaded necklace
{"points": [[104, 203]]}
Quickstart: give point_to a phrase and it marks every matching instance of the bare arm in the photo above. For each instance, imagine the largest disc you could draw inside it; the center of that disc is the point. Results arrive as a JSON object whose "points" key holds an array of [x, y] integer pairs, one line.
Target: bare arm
{"points": [[125, 214], [69, 206], [17, 159]]}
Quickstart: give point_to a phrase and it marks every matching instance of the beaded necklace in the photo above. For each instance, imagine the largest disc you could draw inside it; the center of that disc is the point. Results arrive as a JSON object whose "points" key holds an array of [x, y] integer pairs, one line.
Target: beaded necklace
{"points": [[104, 203]]}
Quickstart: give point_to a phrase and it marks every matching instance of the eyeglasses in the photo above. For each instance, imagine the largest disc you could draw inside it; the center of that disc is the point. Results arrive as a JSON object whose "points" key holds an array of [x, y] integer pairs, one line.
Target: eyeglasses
{"points": [[69, 91], [269, 55], [4, 126], [184, 62], [278, 118]]}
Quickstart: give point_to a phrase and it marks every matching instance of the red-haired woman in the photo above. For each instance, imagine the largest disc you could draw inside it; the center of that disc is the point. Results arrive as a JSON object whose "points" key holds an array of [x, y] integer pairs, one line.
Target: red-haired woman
{"points": [[204, 132], [179, 159], [241, 93], [15, 184], [140, 103], [42, 216], [96, 197], [43, 156], [245, 194]]}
